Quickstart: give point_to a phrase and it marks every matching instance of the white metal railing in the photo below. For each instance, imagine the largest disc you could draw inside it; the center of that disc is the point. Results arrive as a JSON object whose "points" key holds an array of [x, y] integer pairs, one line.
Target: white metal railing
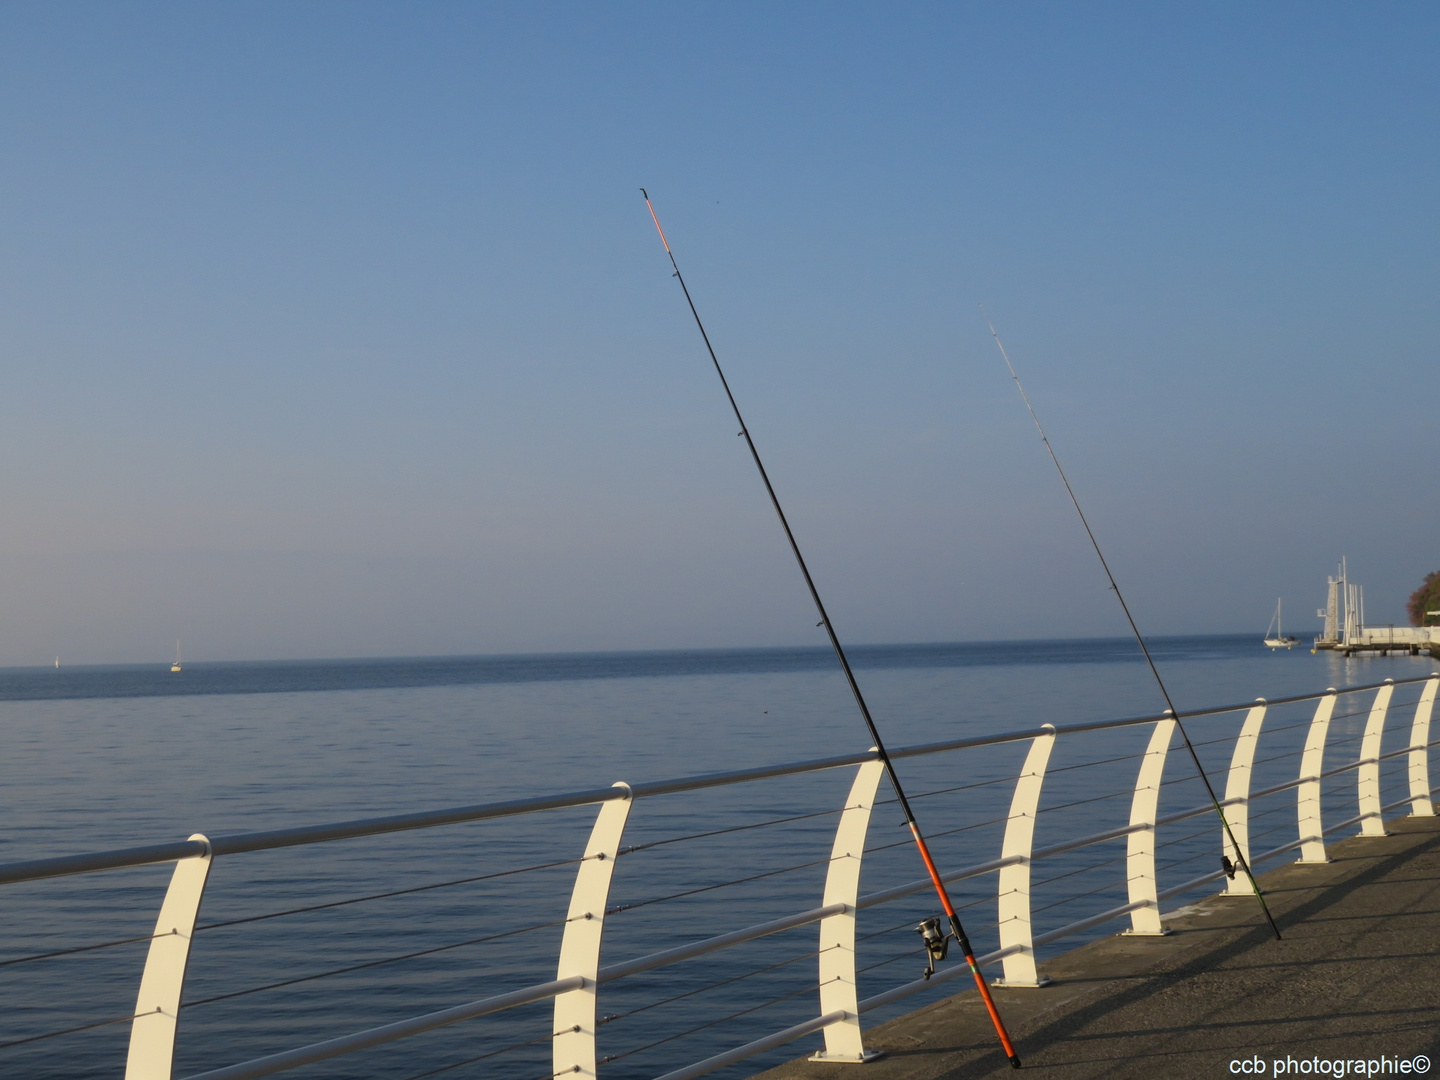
{"points": [[578, 977]]}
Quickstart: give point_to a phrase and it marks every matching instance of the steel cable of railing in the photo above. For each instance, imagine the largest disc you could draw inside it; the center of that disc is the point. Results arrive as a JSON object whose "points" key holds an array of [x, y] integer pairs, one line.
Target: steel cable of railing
{"points": [[1357, 712], [1082, 802], [912, 953], [1188, 859], [721, 832], [1284, 826], [386, 895], [964, 787], [1284, 807], [1343, 740], [1034, 885], [909, 924], [1363, 711], [935, 835], [371, 963], [712, 986], [1270, 730], [948, 790], [712, 888], [1107, 887], [1306, 721], [1277, 757], [82, 948], [483, 1057], [1170, 864], [712, 1023], [68, 1031], [1093, 764], [1089, 867], [1172, 841]]}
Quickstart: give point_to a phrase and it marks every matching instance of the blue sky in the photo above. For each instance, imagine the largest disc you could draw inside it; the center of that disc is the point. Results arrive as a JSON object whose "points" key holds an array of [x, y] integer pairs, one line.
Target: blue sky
{"points": [[340, 329]]}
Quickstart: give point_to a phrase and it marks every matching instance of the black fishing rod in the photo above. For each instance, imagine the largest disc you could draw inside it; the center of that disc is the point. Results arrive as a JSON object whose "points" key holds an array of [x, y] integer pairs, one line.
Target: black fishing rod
{"points": [[1241, 863], [935, 941]]}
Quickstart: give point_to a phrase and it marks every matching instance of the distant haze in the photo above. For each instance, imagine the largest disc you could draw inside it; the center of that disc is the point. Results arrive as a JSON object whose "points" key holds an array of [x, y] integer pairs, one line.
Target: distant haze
{"points": [[341, 330]]}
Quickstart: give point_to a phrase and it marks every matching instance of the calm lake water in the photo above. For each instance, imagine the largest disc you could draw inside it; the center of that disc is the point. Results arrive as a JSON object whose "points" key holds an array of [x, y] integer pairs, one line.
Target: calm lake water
{"points": [[116, 756]]}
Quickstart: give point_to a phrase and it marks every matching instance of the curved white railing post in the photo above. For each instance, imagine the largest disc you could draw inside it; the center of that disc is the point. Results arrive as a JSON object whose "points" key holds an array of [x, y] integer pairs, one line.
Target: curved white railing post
{"points": [[1237, 798], [1372, 821], [1014, 887], [157, 1007], [573, 1044], [1140, 845], [1307, 795], [1420, 804], [844, 1040]]}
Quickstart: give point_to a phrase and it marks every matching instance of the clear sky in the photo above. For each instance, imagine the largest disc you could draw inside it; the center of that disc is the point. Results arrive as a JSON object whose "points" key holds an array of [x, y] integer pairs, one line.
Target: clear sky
{"points": [[339, 329]]}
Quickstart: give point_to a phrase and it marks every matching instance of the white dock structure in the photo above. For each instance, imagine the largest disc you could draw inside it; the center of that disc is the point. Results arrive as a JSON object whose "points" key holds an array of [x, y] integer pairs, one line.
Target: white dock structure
{"points": [[1345, 630]]}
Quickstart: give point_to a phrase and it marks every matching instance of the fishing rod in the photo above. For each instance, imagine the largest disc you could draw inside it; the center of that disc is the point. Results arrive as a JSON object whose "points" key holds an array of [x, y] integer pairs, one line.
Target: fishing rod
{"points": [[935, 942], [1241, 863]]}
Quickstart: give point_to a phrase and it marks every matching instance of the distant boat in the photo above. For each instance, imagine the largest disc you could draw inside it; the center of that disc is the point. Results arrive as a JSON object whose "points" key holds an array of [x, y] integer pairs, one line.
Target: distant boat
{"points": [[1278, 639], [176, 665], [57, 661]]}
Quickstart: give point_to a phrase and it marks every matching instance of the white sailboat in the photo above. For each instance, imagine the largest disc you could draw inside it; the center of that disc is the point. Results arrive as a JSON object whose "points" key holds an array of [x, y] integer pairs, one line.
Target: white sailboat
{"points": [[176, 665], [1278, 639]]}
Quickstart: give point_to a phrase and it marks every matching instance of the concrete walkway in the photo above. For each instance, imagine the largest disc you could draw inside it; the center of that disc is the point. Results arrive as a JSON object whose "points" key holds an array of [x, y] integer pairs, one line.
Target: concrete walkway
{"points": [[1357, 976]]}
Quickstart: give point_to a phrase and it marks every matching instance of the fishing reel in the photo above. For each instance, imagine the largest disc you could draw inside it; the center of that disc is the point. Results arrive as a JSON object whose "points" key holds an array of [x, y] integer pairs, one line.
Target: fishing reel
{"points": [[937, 943]]}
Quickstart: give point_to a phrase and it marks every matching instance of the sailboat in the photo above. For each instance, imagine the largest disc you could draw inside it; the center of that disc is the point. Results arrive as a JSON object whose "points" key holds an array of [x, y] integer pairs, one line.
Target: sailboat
{"points": [[176, 665], [1278, 639]]}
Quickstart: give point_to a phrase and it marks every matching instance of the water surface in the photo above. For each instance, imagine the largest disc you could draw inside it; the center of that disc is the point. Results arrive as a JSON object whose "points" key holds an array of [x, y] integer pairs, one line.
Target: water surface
{"points": [[114, 756]]}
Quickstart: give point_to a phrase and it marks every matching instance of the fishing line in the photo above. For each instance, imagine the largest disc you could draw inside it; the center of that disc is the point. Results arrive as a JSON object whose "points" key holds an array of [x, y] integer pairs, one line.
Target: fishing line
{"points": [[935, 941], [1241, 863]]}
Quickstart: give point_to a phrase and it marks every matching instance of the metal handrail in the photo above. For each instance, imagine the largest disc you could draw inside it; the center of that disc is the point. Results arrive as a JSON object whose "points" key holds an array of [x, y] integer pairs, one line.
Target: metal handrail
{"points": [[61, 866]]}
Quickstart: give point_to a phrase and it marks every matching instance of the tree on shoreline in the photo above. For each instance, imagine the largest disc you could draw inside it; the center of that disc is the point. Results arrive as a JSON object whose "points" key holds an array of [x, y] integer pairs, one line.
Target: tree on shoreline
{"points": [[1426, 598]]}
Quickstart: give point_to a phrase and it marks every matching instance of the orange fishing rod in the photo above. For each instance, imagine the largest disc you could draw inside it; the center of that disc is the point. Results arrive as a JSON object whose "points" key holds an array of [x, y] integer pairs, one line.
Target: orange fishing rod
{"points": [[935, 942]]}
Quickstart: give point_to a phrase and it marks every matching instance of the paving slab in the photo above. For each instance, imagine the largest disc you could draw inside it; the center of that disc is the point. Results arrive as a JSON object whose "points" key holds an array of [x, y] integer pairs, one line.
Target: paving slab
{"points": [[1356, 978]]}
